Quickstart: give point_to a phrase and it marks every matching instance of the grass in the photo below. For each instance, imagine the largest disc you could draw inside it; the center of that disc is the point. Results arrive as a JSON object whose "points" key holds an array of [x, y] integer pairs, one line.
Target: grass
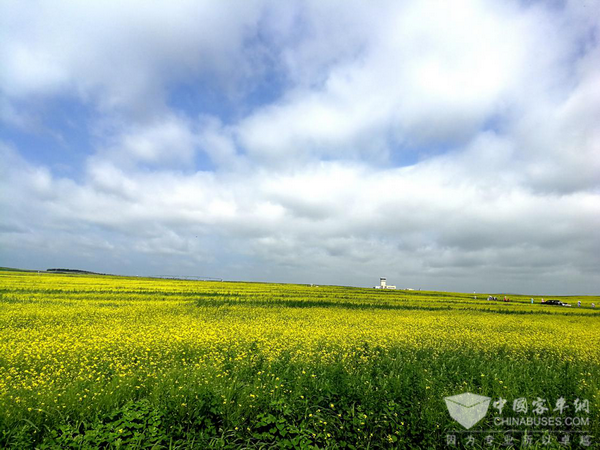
{"points": [[115, 362]]}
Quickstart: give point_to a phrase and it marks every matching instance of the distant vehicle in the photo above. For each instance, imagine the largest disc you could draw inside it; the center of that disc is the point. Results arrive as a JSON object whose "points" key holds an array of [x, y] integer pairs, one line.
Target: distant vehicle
{"points": [[555, 303]]}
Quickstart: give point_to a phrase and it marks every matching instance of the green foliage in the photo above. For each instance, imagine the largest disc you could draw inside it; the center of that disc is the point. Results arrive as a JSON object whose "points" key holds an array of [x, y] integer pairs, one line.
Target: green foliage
{"points": [[106, 362]]}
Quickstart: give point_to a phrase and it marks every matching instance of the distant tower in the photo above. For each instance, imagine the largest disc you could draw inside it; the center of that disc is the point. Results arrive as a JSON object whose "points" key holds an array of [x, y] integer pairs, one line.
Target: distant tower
{"points": [[383, 284]]}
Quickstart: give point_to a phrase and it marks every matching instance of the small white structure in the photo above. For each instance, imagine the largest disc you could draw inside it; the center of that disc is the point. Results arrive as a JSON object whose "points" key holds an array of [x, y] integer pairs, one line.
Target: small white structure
{"points": [[383, 284]]}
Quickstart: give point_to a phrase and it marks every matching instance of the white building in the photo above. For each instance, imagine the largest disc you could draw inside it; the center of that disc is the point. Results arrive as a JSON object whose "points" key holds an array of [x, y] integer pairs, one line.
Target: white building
{"points": [[383, 284]]}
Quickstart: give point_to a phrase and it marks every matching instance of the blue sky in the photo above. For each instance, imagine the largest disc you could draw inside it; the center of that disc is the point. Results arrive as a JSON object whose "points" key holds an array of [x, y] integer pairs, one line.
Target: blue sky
{"points": [[445, 145]]}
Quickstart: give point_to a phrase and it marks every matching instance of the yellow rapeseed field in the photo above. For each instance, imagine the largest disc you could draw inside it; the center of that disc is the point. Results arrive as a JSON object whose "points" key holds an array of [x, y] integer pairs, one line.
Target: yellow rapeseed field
{"points": [[75, 347]]}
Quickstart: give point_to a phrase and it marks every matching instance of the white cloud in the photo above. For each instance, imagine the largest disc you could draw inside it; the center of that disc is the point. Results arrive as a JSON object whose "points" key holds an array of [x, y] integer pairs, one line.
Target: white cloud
{"points": [[426, 73], [345, 219], [494, 104], [218, 143], [121, 55], [166, 141]]}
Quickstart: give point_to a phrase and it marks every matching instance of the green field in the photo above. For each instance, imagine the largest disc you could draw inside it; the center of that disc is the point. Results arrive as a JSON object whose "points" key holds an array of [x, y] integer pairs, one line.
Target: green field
{"points": [[114, 362]]}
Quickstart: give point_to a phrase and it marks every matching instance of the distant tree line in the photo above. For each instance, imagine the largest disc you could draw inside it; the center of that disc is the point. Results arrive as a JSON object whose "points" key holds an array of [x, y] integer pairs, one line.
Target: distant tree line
{"points": [[74, 271]]}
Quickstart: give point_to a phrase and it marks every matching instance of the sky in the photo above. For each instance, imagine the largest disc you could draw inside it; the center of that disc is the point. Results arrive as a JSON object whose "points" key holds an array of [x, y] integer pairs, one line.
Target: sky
{"points": [[445, 145]]}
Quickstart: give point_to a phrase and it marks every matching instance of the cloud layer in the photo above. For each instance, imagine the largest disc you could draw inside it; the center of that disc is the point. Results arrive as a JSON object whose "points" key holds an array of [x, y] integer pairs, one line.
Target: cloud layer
{"points": [[446, 146]]}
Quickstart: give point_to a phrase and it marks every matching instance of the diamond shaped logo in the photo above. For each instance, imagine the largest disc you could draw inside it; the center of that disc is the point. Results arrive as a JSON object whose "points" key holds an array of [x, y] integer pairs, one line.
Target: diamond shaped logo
{"points": [[467, 409]]}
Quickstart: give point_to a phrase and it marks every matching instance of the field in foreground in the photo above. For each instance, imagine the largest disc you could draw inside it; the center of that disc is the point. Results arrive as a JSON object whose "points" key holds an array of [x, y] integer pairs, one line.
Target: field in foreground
{"points": [[98, 361]]}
